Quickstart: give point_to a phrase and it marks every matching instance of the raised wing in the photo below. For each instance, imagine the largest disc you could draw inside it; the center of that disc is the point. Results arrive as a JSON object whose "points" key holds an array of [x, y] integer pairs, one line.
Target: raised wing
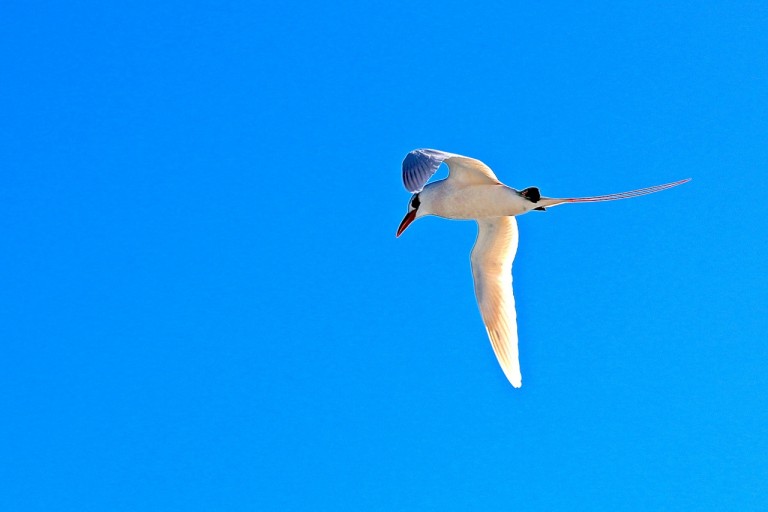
{"points": [[492, 258], [421, 164]]}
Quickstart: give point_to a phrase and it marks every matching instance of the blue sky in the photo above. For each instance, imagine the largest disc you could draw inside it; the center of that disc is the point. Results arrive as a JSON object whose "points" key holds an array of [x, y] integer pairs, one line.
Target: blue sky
{"points": [[203, 305]]}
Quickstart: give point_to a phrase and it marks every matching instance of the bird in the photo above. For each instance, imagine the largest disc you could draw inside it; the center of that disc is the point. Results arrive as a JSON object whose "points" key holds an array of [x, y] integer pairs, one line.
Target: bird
{"points": [[473, 192]]}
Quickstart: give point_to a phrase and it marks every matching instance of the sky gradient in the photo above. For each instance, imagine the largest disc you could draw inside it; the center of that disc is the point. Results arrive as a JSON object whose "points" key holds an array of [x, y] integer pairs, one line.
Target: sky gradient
{"points": [[203, 305]]}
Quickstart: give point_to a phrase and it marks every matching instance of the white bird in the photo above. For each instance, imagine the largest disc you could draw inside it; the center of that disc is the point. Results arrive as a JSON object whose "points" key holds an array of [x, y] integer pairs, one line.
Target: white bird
{"points": [[472, 192]]}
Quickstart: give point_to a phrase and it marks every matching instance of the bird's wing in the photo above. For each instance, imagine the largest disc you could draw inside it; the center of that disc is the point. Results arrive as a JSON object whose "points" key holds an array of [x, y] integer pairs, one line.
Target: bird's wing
{"points": [[420, 164], [492, 258]]}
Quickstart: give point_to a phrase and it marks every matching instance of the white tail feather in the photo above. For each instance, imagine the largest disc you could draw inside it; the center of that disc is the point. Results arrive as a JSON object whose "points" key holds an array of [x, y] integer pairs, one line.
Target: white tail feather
{"points": [[552, 201]]}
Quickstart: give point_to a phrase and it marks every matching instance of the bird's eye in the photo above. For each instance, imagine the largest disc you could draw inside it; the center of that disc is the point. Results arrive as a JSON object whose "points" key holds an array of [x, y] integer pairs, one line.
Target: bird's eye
{"points": [[415, 202]]}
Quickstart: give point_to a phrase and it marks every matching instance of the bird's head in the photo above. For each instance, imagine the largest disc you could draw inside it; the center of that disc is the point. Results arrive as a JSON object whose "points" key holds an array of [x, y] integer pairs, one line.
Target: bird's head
{"points": [[415, 210]]}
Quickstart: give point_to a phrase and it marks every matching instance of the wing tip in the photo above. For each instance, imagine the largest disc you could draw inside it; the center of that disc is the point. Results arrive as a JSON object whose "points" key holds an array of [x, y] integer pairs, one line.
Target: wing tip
{"points": [[516, 379], [419, 165]]}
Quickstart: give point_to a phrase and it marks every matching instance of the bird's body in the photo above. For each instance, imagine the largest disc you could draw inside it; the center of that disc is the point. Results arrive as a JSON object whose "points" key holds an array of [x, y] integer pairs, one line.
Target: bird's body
{"points": [[472, 192], [470, 202]]}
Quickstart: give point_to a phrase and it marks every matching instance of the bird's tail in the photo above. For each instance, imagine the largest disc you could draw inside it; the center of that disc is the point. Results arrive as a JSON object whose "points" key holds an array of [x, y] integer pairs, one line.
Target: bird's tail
{"points": [[553, 201]]}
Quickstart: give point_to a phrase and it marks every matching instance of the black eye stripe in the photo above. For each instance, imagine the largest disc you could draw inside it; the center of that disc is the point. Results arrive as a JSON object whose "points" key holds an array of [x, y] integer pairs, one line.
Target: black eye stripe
{"points": [[415, 202]]}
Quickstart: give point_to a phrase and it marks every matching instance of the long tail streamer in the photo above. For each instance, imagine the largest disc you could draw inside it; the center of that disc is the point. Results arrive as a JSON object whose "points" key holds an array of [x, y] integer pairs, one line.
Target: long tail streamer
{"points": [[547, 201], [626, 195]]}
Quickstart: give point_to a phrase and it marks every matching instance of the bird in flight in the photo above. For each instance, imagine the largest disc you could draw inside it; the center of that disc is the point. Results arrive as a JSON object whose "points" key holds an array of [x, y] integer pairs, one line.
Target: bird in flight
{"points": [[472, 192]]}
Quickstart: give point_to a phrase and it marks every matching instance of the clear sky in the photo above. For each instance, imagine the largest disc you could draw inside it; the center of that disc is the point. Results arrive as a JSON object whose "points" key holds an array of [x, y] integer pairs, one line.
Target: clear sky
{"points": [[203, 305]]}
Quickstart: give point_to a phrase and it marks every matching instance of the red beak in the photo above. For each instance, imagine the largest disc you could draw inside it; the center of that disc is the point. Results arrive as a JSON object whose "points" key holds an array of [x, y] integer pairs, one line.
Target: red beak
{"points": [[409, 217]]}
